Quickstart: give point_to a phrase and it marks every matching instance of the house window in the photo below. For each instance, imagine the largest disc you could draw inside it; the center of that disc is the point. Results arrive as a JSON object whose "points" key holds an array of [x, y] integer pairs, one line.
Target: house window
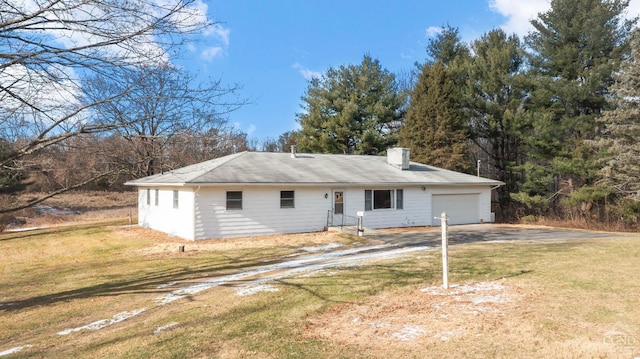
{"points": [[380, 199], [175, 199], [399, 199], [157, 197], [234, 200], [287, 199], [148, 196]]}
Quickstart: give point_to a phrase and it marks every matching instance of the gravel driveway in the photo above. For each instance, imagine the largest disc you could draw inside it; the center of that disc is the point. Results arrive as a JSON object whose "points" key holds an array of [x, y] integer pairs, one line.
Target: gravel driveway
{"points": [[481, 233]]}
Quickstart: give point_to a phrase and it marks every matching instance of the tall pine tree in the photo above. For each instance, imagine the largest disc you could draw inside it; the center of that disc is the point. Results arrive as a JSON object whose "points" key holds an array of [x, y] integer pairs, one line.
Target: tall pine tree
{"points": [[574, 50], [435, 127], [619, 143], [497, 116]]}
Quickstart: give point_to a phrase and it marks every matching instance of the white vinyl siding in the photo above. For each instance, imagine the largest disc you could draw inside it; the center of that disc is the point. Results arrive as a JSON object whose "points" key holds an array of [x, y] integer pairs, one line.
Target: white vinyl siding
{"points": [[260, 214], [175, 222], [203, 212]]}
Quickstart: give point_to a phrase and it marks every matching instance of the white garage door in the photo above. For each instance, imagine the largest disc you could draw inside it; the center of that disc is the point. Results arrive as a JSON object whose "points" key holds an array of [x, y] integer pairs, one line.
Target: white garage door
{"points": [[460, 208]]}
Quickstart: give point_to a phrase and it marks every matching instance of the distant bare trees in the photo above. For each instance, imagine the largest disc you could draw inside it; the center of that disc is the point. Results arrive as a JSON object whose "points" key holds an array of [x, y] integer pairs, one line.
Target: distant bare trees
{"points": [[155, 108], [50, 50]]}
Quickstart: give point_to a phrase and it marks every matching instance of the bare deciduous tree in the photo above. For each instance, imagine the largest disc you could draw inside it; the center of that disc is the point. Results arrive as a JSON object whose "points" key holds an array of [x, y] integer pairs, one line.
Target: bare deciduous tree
{"points": [[160, 108], [48, 46]]}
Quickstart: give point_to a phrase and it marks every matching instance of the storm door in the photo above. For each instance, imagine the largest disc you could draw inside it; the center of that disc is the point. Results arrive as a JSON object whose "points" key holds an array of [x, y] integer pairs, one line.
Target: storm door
{"points": [[338, 207]]}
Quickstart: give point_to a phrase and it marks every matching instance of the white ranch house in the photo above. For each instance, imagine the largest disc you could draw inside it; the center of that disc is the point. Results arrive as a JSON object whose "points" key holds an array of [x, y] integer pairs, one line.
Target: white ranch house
{"points": [[260, 193]]}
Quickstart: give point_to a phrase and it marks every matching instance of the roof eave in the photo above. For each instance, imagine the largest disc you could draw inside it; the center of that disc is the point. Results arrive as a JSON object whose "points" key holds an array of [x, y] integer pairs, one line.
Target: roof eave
{"points": [[311, 184]]}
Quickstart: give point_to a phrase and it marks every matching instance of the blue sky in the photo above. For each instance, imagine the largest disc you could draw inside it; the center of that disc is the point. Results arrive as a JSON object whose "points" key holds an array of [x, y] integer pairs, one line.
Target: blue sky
{"points": [[272, 48]]}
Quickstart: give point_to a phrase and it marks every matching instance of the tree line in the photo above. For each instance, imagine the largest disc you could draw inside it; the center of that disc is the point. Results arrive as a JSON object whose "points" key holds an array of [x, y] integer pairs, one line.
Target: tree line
{"points": [[95, 101], [553, 115]]}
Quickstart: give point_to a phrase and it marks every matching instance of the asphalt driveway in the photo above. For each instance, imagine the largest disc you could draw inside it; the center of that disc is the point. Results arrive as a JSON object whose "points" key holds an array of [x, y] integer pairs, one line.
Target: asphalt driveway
{"points": [[431, 236]]}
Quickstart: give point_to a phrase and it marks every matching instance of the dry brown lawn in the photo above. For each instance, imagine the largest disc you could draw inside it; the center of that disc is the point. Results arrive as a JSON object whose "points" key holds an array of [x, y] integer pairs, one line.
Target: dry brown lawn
{"points": [[573, 299]]}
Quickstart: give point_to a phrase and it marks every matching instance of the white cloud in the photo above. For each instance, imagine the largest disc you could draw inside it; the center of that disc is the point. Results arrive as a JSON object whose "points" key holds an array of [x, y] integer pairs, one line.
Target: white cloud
{"points": [[433, 31], [218, 31], [406, 56], [306, 73], [211, 53], [520, 13], [55, 93], [249, 131], [144, 47], [187, 18]]}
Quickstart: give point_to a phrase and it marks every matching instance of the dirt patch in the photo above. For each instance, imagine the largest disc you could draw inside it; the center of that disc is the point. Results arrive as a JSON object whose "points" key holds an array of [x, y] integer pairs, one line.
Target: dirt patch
{"points": [[398, 321], [171, 244]]}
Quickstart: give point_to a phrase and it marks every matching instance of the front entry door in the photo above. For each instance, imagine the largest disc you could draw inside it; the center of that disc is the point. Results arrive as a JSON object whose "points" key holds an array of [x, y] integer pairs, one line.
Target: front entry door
{"points": [[338, 207]]}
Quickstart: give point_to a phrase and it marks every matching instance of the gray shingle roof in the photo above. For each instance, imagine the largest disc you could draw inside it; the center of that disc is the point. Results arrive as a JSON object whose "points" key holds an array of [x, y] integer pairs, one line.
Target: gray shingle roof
{"points": [[264, 168]]}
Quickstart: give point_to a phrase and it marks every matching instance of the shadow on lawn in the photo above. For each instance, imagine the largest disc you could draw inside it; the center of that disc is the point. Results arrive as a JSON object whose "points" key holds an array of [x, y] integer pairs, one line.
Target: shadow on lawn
{"points": [[164, 281], [158, 282]]}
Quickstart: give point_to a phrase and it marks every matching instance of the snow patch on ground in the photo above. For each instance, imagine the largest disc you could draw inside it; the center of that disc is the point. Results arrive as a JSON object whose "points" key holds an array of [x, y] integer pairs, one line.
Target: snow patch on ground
{"points": [[165, 327], [254, 289], [324, 248], [476, 294], [409, 332], [257, 277], [350, 257], [446, 335], [97, 325], [14, 350], [464, 289]]}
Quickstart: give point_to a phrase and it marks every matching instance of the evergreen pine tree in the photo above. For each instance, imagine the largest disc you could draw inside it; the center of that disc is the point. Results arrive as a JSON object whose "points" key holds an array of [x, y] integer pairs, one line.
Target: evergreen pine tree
{"points": [[434, 128], [574, 50]]}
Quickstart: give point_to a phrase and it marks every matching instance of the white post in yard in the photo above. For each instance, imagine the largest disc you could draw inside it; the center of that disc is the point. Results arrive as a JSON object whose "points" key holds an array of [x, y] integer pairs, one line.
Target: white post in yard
{"points": [[445, 250]]}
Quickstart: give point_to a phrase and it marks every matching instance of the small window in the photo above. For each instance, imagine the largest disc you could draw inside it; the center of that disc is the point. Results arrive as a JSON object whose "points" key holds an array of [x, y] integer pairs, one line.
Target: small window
{"points": [[399, 199], [175, 199], [368, 200], [157, 197], [148, 196], [234, 200], [287, 199]]}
